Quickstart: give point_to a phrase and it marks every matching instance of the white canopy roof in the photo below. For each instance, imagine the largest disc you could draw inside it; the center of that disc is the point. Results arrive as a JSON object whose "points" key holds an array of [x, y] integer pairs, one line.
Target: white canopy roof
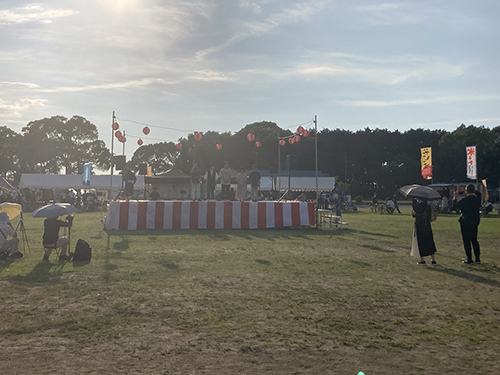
{"points": [[66, 181], [306, 183]]}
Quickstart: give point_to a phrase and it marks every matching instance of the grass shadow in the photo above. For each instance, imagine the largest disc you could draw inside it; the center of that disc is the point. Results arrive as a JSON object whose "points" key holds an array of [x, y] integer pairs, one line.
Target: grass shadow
{"points": [[377, 248], [466, 275], [359, 263], [41, 273], [373, 233], [263, 261]]}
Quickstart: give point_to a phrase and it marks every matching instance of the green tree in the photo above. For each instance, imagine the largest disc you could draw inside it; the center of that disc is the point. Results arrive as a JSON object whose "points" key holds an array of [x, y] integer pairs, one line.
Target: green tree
{"points": [[9, 162], [56, 142]]}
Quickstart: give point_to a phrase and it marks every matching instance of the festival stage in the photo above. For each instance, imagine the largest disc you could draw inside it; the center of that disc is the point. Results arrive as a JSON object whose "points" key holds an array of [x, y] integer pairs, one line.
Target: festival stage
{"points": [[138, 215]]}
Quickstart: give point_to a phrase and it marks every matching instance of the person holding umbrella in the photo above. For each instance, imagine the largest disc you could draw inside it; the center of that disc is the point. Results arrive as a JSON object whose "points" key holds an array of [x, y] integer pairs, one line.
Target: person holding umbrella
{"points": [[52, 225], [8, 248], [423, 238]]}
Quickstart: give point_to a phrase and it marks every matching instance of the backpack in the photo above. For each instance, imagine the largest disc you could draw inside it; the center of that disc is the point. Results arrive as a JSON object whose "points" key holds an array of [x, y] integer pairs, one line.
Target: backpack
{"points": [[83, 251]]}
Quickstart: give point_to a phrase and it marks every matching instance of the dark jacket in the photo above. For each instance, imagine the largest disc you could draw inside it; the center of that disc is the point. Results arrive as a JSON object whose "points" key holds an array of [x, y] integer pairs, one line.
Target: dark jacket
{"points": [[469, 208]]}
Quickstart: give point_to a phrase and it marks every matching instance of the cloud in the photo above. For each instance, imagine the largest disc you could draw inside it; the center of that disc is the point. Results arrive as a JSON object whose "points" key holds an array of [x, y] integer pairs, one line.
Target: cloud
{"points": [[384, 14], [418, 101], [17, 108], [391, 70], [107, 86], [20, 84], [32, 13], [247, 29]]}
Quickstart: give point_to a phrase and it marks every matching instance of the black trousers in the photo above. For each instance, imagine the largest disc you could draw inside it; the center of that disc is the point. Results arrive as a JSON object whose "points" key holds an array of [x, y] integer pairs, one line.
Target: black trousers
{"points": [[469, 237], [225, 192], [210, 192]]}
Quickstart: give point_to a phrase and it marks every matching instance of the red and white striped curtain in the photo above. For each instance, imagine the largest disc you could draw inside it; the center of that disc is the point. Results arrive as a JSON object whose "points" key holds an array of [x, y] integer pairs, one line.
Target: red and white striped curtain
{"points": [[137, 215]]}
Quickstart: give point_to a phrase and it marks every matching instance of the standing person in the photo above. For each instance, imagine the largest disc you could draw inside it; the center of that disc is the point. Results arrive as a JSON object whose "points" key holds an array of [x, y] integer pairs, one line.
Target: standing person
{"points": [[225, 180], [195, 182], [469, 222], [211, 180], [423, 230], [51, 237], [129, 179], [8, 248], [241, 187], [254, 183]]}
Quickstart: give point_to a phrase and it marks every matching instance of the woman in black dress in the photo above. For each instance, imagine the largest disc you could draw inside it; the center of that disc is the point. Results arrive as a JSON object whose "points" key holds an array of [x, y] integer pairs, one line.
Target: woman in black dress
{"points": [[425, 239]]}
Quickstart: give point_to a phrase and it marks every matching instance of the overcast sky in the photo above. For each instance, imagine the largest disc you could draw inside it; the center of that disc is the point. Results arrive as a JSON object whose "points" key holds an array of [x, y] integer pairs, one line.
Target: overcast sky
{"points": [[222, 64]]}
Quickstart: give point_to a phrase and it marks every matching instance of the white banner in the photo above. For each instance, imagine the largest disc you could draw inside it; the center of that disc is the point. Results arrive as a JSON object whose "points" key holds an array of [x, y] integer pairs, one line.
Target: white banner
{"points": [[471, 162]]}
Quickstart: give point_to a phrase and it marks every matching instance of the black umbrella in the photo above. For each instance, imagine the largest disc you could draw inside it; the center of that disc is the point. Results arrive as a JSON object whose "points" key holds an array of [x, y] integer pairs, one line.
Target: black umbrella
{"points": [[419, 191]]}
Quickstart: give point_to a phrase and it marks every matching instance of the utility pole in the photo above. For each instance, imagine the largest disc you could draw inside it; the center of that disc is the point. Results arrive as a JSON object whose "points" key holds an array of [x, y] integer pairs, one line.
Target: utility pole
{"points": [[112, 156], [316, 156]]}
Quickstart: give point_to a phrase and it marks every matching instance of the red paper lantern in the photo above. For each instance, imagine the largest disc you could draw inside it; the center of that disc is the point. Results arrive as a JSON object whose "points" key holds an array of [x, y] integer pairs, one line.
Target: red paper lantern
{"points": [[300, 130], [146, 130], [218, 146], [250, 137], [305, 133], [198, 136], [297, 138], [179, 146], [118, 134], [140, 142], [291, 140], [116, 126], [258, 144], [282, 142]]}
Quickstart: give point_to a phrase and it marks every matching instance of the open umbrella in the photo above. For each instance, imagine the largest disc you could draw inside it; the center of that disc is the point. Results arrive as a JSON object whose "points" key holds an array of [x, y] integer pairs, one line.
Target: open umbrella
{"points": [[419, 191], [12, 209], [54, 209]]}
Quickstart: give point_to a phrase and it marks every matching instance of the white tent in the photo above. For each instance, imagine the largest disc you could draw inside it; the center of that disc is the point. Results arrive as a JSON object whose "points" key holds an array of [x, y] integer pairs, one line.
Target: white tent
{"points": [[66, 181], [306, 183]]}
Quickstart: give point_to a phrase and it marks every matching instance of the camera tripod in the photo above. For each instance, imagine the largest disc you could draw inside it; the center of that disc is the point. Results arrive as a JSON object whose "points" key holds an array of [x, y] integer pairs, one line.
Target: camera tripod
{"points": [[20, 227]]}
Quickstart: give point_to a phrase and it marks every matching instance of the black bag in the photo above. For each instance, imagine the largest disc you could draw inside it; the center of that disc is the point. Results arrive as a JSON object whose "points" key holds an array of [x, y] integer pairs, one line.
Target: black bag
{"points": [[83, 251]]}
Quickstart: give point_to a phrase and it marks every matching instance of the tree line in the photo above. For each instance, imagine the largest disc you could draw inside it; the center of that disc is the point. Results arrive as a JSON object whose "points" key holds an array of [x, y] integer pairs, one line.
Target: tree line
{"points": [[365, 161]]}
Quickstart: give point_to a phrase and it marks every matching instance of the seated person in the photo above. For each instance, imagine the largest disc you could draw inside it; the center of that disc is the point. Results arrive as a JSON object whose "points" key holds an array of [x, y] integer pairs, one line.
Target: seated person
{"points": [[8, 248], [51, 237], [154, 196]]}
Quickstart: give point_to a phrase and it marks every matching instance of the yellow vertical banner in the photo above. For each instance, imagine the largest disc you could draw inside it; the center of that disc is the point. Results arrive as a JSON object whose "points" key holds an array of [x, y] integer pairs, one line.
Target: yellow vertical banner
{"points": [[426, 162], [150, 171], [486, 194]]}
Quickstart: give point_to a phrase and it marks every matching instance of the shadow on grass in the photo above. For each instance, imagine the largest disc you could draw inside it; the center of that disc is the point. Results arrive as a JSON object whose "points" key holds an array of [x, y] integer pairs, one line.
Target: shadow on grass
{"points": [[43, 272], [271, 234], [263, 261], [466, 275], [377, 248], [374, 233], [363, 264]]}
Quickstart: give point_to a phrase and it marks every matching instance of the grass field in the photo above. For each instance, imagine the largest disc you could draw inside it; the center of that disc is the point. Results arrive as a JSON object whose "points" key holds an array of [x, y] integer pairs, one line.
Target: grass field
{"points": [[297, 301]]}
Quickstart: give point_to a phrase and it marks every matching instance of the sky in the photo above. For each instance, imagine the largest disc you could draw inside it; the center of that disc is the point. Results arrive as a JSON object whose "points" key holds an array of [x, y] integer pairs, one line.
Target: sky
{"points": [[199, 65]]}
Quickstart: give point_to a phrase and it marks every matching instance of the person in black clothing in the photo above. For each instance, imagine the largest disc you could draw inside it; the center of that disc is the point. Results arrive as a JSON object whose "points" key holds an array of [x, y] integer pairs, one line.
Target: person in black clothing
{"points": [[211, 180], [51, 237], [423, 230], [254, 183], [469, 222], [154, 196], [129, 179]]}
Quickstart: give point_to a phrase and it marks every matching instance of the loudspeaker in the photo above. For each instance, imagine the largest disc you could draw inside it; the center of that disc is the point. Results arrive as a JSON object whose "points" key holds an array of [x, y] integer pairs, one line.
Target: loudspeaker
{"points": [[120, 162], [143, 169]]}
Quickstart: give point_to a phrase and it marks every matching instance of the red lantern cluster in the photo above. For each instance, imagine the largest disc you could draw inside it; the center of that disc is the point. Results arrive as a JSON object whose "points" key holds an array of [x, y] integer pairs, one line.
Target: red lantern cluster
{"points": [[291, 140], [198, 137], [115, 126], [305, 133], [118, 134], [282, 142], [140, 142], [297, 138], [146, 130], [250, 137], [179, 146], [218, 146], [258, 144], [300, 130]]}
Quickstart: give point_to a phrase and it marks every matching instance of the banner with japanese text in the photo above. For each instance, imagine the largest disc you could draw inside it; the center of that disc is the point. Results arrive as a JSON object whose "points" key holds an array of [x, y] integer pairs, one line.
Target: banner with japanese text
{"points": [[426, 162], [471, 162]]}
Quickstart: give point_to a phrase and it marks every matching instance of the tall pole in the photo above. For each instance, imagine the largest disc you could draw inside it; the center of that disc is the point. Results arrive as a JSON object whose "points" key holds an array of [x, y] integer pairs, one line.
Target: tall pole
{"points": [[316, 156], [279, 166], [112, 156], [316, 151]]}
